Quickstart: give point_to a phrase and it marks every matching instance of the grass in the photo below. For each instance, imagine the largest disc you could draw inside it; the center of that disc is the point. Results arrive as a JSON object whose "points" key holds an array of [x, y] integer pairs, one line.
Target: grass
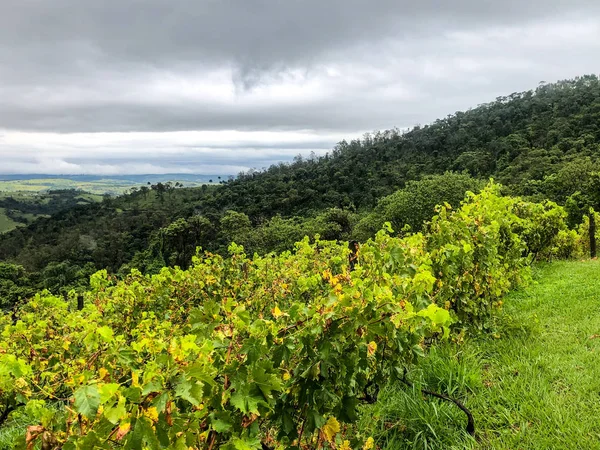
{"points": [[6, 223], [98, 187], [537, 386], [12, 432]]}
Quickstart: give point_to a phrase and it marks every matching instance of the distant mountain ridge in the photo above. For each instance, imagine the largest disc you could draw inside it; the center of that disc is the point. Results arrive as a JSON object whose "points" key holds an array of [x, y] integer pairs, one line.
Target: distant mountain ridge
{"points": [[138, 178]]}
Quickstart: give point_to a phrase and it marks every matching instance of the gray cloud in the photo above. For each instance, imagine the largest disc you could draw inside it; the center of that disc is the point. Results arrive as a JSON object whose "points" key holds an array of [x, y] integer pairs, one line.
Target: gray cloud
{"points": [[324, 68]]}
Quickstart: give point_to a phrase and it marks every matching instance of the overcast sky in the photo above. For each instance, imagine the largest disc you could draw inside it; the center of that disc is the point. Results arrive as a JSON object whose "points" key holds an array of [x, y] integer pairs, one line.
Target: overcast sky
{"points": [[218, 86]]}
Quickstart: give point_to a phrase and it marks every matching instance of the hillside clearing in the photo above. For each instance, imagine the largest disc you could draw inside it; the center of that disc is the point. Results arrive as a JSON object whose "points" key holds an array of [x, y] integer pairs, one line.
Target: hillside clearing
{"points": [[6, 223]]}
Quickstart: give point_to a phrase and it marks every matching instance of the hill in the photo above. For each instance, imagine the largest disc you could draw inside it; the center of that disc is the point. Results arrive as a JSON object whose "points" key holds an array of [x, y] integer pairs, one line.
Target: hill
{"points": [[24, 198], [21, 208], [542, 143]]}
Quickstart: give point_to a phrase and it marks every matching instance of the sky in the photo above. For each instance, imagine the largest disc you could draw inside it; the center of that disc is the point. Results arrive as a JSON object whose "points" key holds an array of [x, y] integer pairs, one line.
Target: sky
{"points": [[221, 86]]}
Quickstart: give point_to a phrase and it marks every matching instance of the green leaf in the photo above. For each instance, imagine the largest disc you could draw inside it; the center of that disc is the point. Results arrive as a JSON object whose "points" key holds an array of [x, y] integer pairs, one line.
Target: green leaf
{"points": [[106, 333], [201, 372], [148, 434], [143, 433], [160, 402], [247, 403], [13, 366], [162, 432], [107, 391], [266, 382], [115, 413], [314, 420], [126, 356], [87, 401], [136, 438], [152, 386], [190, 391], [133, 394], [348, 411], [246, 443], [221, 422]]}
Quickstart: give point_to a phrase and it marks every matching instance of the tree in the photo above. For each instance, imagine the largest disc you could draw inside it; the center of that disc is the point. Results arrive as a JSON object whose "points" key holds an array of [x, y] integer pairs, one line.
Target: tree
{"points": [[15, 285], [416, 203], [235, 227]]}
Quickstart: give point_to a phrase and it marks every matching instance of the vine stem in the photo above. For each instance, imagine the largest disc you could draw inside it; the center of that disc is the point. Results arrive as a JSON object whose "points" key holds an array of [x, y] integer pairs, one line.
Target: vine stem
{"points": [[470, 421], [226, 383], [212, 439]]}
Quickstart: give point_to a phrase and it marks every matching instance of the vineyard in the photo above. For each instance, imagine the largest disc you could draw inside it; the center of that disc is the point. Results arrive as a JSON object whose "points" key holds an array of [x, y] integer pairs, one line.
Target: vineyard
{"points": [[275, 352]]}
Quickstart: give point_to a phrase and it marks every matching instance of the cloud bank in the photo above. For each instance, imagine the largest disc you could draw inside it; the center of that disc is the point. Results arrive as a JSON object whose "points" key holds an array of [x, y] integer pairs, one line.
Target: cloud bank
{"points": [[219, 86]]}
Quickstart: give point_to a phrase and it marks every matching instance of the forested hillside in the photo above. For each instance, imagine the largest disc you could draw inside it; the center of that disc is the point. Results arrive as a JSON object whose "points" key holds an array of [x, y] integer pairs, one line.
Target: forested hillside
{"points": [[541, 143]]}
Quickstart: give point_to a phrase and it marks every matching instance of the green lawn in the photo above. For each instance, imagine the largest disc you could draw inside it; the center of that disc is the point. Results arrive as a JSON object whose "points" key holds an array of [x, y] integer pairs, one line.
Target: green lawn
{"points": [[536, 386]]}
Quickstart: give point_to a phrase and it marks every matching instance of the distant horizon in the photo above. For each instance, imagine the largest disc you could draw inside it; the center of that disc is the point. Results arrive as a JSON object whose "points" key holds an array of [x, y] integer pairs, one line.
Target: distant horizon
{"points": [[108, 175], [120, 175], [137, 179]]}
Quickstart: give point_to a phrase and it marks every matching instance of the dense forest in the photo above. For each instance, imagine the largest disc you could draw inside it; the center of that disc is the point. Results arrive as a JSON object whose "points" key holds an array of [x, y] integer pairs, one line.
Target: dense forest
{"points": [[540, 144]]}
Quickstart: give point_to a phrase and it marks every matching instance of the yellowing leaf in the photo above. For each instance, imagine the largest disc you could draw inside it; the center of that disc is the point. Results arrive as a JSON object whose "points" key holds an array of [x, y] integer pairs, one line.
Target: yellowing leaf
{"points": [[66, 344], [345, 445], [102, 373], [371, 348], [152, 414], [276, 312], [330, 429], [123, 430], [135, 379]]}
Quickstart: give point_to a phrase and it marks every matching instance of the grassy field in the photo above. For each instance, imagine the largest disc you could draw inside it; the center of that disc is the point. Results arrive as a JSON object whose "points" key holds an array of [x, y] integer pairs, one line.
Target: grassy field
{"points": [[535, 386], [108, 186], [97, 186], [6, 223]]}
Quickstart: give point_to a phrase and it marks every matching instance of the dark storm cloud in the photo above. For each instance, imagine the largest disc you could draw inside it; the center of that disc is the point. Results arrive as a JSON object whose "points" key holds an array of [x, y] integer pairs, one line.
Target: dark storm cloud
{"points": [[330, 68]]}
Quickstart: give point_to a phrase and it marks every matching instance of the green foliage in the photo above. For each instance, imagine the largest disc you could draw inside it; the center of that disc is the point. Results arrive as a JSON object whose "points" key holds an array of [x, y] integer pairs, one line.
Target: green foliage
{"points": [[477, 254], [238, 352], [22, 208], [212, 349], [545, 229], [14, 285], [416, 203], [582, 236]]}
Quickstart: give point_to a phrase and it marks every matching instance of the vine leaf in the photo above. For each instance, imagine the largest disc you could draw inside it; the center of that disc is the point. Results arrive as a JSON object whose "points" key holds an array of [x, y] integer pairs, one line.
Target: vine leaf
{"points": [[87, 401]]}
